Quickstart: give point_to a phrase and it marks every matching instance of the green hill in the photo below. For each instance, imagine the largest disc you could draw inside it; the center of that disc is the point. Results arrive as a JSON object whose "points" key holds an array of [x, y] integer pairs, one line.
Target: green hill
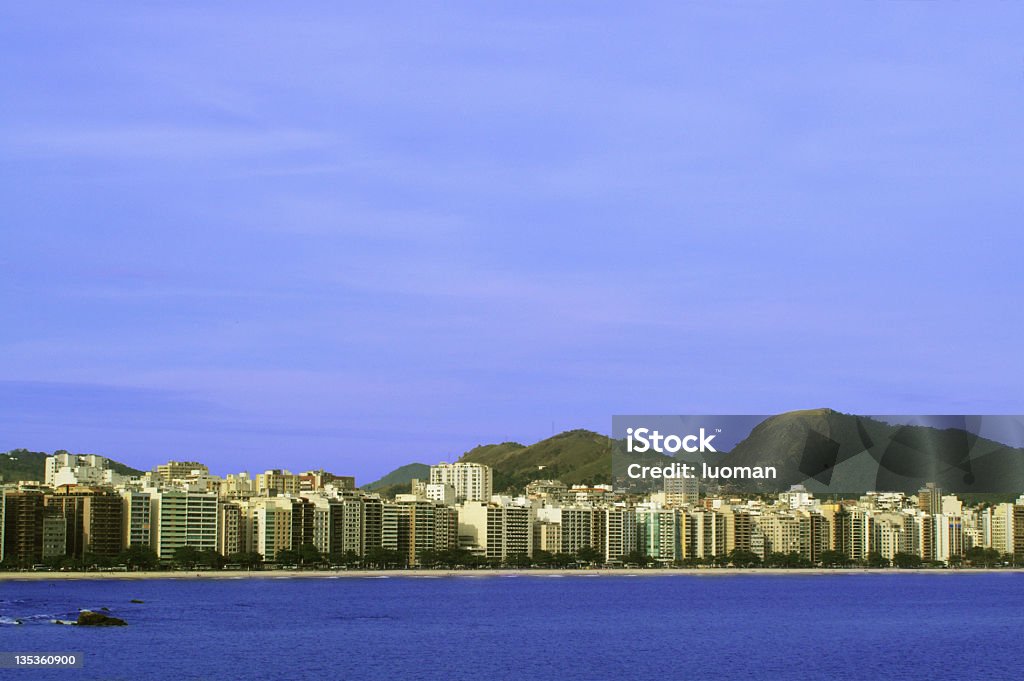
{"points": [[826, 449], [400, 476], [21, 464], [574, 457]]}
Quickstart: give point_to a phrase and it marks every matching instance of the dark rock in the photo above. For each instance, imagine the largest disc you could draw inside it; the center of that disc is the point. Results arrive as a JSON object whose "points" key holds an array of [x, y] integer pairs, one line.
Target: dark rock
{"points": [[98, 619], [136, 600]]}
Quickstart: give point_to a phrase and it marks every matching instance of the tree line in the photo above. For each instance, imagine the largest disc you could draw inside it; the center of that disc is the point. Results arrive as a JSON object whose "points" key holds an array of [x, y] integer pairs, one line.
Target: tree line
{"points": [[308, 557]]}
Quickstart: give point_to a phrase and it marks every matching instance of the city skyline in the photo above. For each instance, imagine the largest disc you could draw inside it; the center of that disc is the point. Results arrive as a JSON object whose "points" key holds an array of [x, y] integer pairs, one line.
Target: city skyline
{"points": [[85, 514]]}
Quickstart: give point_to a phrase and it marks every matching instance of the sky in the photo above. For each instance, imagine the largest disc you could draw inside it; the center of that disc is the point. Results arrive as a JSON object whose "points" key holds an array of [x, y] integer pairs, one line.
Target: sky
{"points": [[356, 236]]}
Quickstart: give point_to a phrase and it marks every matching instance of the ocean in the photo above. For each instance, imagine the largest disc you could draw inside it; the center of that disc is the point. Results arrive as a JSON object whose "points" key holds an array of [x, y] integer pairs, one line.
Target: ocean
{"points": [[691, 626]]}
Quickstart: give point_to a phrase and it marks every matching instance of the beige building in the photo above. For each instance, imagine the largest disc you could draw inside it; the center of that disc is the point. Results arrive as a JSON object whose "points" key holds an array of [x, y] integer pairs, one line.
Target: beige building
{"points": [[1001, 528], [620, 533], [238, 486], [496, 531], [229, 528], [681, 492], [277, 482], [269, 523], [178, 470]]}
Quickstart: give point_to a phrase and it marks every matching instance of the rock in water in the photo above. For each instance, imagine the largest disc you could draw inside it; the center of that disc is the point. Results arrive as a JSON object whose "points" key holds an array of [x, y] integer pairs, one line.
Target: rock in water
{"points": [[98, 619], [136, 600]]}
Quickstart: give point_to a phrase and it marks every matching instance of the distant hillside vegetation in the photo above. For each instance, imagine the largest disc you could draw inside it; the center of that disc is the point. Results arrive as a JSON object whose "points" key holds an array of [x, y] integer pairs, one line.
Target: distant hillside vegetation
{"points": [[21, 464], [808, 447], [400, 476], [574, 457]]}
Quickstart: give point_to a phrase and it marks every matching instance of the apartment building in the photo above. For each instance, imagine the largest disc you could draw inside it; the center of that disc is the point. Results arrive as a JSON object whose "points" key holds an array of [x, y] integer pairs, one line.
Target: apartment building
{"points": [[471, 481]]}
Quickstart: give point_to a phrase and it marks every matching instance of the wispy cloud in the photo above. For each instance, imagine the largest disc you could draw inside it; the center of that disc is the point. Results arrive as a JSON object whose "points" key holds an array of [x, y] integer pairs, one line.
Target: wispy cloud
{"points": [[154, 142]]}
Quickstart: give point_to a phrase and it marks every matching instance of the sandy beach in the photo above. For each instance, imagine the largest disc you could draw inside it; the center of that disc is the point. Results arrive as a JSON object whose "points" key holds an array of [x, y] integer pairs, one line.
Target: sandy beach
{"points": [[436, 574]]}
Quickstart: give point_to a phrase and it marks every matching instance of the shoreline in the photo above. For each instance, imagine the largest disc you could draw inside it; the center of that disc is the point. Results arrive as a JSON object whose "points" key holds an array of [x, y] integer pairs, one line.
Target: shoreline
{"points": [[438, 574]]}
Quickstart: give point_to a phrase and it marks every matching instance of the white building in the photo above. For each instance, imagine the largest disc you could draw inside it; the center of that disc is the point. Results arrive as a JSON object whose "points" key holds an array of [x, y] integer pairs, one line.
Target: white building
{"points": [[79, 469], [471, 481], [440, 492], [949, 537]]}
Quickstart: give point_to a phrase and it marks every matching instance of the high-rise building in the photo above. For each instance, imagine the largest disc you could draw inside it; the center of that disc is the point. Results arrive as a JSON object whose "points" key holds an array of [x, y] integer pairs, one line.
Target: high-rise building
{"points": [[471, 481], [815, 534], [851, 531], [94, 519], [922, 529], [891, 534], [271, 526], [23, 527], [705, 535], [1001, 528], [428, 526], [496, 531], [658, 534], [743, 525], [327, 516], [929, 499], [781, 532], [304, 523], [579, 530], [1018, 533], [137, 523], [394, 533], [181, 518], [372, 522], [55, 533], [547, 536], [339, 523], [446, 527], [229, 528], [681, 492], [620, 533], [949, 537]]}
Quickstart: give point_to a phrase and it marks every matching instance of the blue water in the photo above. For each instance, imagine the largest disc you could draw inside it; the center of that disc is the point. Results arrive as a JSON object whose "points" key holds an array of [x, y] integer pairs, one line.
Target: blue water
{"points": [[856, 626]]}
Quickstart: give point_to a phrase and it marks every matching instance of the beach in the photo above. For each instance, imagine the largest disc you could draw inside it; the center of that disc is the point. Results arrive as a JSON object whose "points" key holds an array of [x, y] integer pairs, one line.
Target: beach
{"points": [[434, 574]]}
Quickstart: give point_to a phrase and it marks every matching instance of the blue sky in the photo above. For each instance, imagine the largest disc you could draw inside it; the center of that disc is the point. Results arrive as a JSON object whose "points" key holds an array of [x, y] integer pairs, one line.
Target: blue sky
{"points": [[357, 237]]}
